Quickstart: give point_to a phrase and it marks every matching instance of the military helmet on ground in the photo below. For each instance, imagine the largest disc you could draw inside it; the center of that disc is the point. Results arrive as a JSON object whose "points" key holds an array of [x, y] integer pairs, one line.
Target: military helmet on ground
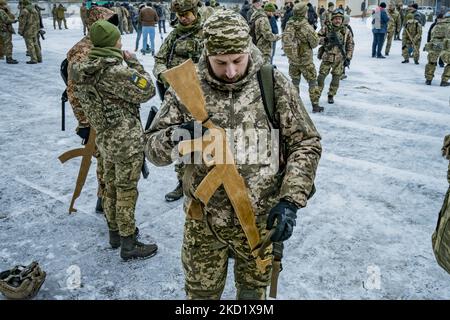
{"points": [[300, 9], [22, 282], [184, 5]]}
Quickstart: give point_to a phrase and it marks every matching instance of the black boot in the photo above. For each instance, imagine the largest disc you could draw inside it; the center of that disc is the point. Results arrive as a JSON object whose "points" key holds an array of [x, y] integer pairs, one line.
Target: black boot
{"points": [[99, 206], [330, 100], [31, 62], [114, 238], [176, 194], [416, 62], [11, 61], [445, 84], [317, 108], [133, 249], [428, 82], [405, 61]]}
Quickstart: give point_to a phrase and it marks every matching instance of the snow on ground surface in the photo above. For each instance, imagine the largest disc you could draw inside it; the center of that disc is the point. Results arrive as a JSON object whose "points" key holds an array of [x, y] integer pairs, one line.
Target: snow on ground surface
{"points": [[366, 234]]}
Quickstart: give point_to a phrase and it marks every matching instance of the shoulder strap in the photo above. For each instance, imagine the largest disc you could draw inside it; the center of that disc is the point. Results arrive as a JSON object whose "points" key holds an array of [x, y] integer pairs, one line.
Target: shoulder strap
{"points": [[266, 85]]}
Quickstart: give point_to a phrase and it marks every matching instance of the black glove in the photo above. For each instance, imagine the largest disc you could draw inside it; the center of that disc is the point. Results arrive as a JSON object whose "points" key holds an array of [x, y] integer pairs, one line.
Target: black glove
{"points": [[188, 131], [285, 213], [83, 133], [346, 63]]}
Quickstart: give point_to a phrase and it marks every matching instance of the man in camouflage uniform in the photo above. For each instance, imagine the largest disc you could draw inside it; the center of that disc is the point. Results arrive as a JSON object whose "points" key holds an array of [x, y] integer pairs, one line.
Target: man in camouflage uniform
{"points": [[327, 15], [6, 32], [338, 45], [78, 53], [263, 36], [411, 37], [299, 40], [392, 28], [54, 15], [439, 45], [84, 16], [227, 72], [29, 27], [110, 94], [61, 16], [184, 42]]}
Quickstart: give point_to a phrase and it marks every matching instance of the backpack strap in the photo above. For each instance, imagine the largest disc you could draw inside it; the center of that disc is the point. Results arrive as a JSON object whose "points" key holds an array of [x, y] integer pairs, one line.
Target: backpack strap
{"points": [[266, 85]]}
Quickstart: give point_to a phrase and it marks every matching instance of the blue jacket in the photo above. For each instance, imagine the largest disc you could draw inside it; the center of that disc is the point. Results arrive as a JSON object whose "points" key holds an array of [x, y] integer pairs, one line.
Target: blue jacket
{"points": [[273, 24], [379, 21]]}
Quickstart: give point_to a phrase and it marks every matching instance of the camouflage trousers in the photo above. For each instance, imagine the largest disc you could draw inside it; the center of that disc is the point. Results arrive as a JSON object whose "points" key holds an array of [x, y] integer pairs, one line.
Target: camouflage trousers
{"points": [[430, 68], [445, 56], [406, 44], [6, 45], [100, 171], [205, 255], [120, 195], [336, 68], [60, 21], [389, 37], [309, 73], [33, 48], [179, 169]]}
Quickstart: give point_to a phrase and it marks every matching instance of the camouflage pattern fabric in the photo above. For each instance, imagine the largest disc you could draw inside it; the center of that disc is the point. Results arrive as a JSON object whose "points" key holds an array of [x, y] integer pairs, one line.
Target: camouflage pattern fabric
{"points": [[332, 59], [122, 89], [226, 32], [440, 36], [264, 35], [29, 26], [207, 12], [411, 37], [184, 5], [392, 28], [61, 16], [299, 39], [205, 262], [233, 105], [6, 31]]}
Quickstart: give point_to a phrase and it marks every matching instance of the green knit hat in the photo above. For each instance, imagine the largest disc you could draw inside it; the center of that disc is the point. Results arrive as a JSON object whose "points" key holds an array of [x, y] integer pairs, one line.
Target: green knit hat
{"points": [[226, 32], [104, 34], [270, 7]]}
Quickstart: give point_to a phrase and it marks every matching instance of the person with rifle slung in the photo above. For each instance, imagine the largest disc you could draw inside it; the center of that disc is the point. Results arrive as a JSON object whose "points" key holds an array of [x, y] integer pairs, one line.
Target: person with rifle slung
{"points": [[184, 42], [6, 31], [231, 206], [110, 94], [336, 52], [411, 37]]}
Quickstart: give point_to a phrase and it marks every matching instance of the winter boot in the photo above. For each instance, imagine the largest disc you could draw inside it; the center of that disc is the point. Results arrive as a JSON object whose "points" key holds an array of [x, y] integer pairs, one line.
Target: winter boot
{"points": [[31, 62], [11, 61], [317, 108], [428, 82], [114, 238], [343, 76], [445, 84], [416, 62], [176, 194], [405, 61], [330, 100], [99, 206], [133, 249]]}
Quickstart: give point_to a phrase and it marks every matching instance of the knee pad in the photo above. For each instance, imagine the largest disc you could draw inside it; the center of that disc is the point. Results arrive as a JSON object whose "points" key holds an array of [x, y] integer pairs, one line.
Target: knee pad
{"points": [[251, 294]]}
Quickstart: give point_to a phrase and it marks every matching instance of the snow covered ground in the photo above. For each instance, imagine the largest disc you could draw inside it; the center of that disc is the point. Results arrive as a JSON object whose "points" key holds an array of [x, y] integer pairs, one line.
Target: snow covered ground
{"points": [[366, 234]]}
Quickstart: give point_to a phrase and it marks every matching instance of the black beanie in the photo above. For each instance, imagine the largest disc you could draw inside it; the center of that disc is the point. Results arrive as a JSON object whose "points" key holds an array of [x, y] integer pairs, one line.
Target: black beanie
{"points": [[383, 5]]}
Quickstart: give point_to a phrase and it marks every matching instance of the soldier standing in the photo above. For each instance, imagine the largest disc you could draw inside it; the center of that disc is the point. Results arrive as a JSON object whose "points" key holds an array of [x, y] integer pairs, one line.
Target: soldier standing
{"points": [[110, 94], [337, 52], [6, 31], [328, 14], [439, 45], [261, 31], [184, 42], [299, 40], [55, 15], [28, 28], [61, 16], [83, 16], [411, 38], [392, 28], [228, 72]]}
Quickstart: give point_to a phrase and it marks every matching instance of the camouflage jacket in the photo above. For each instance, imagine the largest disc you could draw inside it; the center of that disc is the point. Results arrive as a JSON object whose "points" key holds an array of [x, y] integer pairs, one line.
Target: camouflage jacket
{"points": [[29, 24], [110, 94], [263, 32], [394, 23], [61, 12], [332, 51], [299, 40], [83, 14], [412, 30], [76, 54], [446, 153], [178, 47], [239, 106], [440, 35], [6, 20], [206, 12]]}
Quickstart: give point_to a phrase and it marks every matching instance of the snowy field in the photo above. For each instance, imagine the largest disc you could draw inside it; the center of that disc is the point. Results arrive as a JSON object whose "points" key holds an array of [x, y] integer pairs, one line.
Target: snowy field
{"points": [[366, 234]]}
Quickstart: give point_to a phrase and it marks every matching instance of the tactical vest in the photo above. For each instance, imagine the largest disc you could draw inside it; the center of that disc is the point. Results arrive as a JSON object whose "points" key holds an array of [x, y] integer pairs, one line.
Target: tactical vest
{"points": [[184, 47]]}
